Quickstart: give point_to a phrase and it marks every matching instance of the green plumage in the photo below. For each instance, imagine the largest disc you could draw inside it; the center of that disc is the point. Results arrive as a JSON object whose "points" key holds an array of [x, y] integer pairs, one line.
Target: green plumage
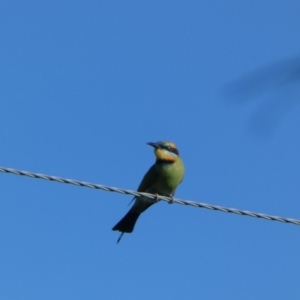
{"points": [[162, 178]]}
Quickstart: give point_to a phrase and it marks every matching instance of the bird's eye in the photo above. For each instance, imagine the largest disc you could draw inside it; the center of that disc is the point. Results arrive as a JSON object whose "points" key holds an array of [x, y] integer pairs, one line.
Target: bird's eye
{"points": [[171, 149]]}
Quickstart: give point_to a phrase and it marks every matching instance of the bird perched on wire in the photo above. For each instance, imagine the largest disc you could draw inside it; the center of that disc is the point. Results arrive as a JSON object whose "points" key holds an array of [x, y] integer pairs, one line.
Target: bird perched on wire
{"points": [[161, 179]]}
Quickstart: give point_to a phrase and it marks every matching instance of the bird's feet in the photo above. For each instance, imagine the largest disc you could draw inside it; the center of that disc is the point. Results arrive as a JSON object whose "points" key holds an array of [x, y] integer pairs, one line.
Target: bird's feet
{"points": [[156, 199], [172, 199]]}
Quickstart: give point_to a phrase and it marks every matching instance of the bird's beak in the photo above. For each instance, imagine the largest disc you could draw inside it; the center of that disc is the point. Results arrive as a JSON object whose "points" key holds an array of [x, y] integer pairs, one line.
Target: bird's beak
{"points": [[155, 145]]}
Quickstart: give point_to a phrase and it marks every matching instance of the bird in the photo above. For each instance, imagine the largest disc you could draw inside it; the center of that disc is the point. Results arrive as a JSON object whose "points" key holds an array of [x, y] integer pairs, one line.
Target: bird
{"points": [[162, 178]]}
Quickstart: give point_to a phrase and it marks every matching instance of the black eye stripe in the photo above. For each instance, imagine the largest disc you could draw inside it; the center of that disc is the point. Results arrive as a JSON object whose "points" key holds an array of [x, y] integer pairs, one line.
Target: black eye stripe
{"points": [[171, 149]]}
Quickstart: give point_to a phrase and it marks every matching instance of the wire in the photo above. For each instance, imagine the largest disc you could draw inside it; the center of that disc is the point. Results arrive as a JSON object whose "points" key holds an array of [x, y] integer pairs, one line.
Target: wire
{"points": [[151, 196]]}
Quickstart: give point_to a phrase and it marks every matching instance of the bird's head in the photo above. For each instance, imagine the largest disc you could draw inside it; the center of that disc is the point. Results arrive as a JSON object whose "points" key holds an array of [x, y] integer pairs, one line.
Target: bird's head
{"points": [[165, 151]]}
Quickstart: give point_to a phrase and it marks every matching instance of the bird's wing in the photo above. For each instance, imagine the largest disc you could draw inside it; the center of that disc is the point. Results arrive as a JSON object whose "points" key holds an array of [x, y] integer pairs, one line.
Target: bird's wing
{"points": [[150, 178]]}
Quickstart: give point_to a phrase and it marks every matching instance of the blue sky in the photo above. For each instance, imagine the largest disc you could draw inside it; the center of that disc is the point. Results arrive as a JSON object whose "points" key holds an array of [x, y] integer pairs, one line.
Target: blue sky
{"points": [[84, 86]]}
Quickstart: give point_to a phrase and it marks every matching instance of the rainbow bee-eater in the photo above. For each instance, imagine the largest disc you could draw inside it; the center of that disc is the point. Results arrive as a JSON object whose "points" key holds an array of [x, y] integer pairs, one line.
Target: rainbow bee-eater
{"points": [[161, 179]]}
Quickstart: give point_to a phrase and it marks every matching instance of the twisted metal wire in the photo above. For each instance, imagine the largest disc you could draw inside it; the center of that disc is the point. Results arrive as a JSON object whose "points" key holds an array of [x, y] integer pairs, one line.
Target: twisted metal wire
{"points": [[151, 196]]}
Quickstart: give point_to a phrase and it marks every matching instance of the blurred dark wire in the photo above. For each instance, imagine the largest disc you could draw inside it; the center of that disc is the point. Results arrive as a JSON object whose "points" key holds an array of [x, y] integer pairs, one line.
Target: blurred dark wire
{"points": [[276, 88]]}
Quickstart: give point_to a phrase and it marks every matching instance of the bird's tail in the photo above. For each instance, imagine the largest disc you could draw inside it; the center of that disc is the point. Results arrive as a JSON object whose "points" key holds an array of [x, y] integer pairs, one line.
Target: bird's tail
{"points": [[128, 222]]}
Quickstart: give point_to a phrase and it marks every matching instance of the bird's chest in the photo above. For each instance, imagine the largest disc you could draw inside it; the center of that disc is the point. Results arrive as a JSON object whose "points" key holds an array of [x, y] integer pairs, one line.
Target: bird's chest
{"points": [[168, 179]]}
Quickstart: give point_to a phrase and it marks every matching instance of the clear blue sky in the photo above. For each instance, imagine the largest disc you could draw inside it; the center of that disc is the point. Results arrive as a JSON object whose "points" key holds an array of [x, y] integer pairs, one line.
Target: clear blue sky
{"points": [[84, 86]]}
